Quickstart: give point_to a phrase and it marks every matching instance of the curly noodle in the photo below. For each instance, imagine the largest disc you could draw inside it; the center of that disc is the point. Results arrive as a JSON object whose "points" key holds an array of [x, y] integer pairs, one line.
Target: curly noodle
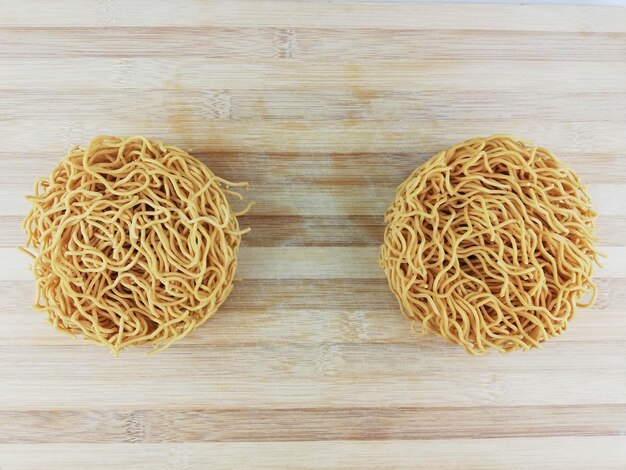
{"points": [[490, 245], [134, 243]]}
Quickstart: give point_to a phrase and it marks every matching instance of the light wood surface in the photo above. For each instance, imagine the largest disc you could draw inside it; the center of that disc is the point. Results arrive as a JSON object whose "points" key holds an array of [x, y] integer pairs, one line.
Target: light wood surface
{"points": [[324, 107]]}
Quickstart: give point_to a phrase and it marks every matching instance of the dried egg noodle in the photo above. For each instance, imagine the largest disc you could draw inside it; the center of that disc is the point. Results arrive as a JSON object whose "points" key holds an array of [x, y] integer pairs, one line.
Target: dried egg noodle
{"points": [[490, 244], [134, 243]]}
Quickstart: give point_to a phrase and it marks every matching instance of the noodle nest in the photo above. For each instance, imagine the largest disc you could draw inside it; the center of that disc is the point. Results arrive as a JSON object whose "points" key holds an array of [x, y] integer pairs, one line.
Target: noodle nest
{"points": [[490, 244], [134, 243]]}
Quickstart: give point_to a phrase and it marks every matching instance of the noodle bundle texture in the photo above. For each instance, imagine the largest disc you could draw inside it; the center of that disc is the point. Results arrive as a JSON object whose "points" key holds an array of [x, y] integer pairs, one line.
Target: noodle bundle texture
{"points": [[490, 244], [133, 243]]}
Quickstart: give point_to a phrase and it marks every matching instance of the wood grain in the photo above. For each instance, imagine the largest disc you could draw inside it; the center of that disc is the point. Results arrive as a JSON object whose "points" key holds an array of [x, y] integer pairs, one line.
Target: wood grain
{"points": [[581, 453], [321, 424], [324, 107]]}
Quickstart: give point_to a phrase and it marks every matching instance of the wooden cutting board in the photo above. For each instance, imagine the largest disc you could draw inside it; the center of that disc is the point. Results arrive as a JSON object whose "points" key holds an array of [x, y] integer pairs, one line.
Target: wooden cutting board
{"points": [[324, 107]]}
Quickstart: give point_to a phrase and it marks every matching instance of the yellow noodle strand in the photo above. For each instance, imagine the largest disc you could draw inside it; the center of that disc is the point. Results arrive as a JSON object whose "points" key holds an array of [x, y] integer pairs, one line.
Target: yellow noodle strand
{"points": [[133, 243], [490, 245]]}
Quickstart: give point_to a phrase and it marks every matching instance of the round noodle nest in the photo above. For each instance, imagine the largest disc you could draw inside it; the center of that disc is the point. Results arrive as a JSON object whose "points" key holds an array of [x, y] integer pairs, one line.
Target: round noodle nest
{"points": [[134, 243], [490, 244]]}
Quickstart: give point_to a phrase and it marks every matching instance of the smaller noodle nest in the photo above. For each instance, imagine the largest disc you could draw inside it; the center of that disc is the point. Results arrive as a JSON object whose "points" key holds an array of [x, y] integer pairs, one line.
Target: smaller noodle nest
{"points": [[134, 243], [490, 244]]}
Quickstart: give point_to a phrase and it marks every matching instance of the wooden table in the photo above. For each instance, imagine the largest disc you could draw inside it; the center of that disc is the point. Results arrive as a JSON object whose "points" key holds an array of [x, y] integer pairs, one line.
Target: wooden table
{"points": [[324, 107]]}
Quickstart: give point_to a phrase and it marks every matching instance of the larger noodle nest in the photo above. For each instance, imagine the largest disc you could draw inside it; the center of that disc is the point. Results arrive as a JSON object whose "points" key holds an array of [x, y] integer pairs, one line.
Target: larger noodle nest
{"points": [[134, 243], [490, 245]]}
